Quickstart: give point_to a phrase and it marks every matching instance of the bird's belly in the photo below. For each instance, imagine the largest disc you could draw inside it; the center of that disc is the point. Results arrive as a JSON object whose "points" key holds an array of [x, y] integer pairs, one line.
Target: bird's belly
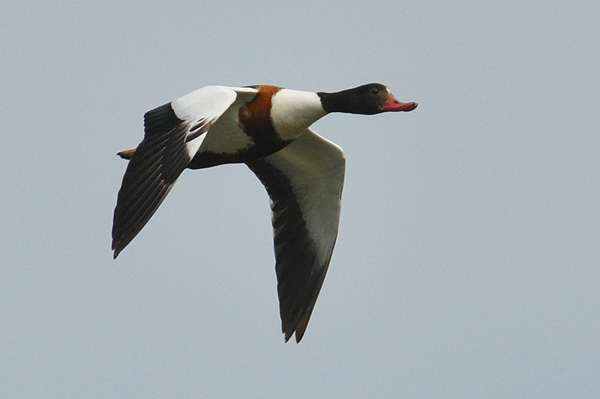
{"points": [[226, 142]]}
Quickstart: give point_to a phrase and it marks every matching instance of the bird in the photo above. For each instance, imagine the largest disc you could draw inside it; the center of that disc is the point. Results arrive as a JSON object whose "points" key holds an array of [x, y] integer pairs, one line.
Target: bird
{"points": [[267, 128]]}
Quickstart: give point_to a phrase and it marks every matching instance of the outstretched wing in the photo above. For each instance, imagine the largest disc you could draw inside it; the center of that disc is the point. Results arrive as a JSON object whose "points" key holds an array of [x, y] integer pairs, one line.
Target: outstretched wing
{"points": [[304, 181], [173, 135]]}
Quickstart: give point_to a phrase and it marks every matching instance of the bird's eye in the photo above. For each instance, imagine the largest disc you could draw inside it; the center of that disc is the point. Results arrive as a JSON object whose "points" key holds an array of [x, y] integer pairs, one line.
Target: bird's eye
{"points": [[374, 90]]}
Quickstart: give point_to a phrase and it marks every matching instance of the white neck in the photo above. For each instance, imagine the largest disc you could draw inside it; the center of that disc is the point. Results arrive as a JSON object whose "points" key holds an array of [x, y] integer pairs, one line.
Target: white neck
{"points": [[293, 111]]}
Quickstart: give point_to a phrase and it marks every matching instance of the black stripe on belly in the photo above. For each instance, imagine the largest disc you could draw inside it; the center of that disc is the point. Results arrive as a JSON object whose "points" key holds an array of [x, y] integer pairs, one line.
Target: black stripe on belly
{"points": [[249, 154]]}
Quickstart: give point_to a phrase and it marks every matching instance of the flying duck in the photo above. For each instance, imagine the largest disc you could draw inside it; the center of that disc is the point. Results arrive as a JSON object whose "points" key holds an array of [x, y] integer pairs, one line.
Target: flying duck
{"points": [[268, 129]]}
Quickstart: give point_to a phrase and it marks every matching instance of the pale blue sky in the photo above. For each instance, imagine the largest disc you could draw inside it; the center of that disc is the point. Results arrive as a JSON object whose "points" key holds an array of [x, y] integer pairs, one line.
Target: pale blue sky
{"points": [[467, 264]]}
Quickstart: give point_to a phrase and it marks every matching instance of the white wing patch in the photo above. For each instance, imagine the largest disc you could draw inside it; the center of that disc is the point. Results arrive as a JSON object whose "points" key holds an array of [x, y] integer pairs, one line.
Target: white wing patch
{"points": [[194, 145], [204, 107], [317, 179]]}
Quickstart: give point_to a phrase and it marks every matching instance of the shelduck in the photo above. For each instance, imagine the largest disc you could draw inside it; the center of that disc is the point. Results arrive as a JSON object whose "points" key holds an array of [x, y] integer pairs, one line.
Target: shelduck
{"points": [[268, 129]]}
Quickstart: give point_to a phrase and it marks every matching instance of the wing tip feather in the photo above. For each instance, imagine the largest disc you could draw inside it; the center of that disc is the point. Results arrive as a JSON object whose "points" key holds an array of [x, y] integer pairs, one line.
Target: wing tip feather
{"points": [[297, 328]]}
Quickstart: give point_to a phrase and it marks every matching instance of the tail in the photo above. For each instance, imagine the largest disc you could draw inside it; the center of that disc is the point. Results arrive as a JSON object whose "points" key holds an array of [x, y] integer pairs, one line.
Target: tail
{"points": [[127, 154]]}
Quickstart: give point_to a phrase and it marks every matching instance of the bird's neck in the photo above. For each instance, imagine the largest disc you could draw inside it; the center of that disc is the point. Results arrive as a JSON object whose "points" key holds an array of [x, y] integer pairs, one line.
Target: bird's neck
{"points": [[293, 111]]}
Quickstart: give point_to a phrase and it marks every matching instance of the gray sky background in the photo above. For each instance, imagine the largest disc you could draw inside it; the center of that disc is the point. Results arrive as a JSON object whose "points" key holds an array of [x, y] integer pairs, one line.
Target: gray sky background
{"points": [[467, 264]]}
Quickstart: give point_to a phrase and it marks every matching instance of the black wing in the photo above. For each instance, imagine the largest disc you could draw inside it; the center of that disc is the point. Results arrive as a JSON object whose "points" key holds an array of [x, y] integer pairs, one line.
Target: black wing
{"points": [[153, 169], [304, 182], [174, 133]]}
